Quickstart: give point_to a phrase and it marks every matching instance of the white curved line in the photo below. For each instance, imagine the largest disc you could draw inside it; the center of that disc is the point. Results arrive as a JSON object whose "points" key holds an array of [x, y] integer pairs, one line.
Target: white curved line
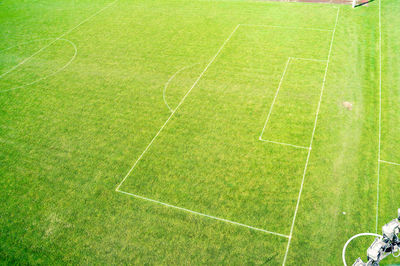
{"points": [[59, 38], [348, 242], [25, 59], [29, 57], [169, 81], [45, 77]]}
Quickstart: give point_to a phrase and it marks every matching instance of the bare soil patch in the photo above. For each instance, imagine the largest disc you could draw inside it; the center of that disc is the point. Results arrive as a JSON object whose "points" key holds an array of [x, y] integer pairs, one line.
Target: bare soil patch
{"points": [[348, 105]]}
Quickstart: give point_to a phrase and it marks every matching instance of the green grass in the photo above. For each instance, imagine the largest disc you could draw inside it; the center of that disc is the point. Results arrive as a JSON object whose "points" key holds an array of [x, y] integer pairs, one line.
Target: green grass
{"points": [[68, 140]]}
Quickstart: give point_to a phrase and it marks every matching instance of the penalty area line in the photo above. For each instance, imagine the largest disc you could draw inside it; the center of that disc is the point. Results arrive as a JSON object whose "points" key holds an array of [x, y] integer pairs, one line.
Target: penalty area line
{"points": [[276, 95], [284, 27], [204, 215], [312, 139], [286, 144], [169, 81], [309, 59]]}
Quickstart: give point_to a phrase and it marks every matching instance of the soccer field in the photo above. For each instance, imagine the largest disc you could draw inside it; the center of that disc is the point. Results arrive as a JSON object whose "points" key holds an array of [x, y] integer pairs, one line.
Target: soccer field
{"points": [[197, 132]]}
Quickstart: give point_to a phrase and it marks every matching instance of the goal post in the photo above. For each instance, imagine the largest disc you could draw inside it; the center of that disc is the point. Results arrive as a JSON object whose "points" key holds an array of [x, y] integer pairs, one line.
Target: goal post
{"points": [[356, 3]]}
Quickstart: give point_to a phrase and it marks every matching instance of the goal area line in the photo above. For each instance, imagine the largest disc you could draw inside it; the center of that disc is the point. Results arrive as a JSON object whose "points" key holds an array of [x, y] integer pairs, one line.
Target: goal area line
{"points": [[267, 120]]}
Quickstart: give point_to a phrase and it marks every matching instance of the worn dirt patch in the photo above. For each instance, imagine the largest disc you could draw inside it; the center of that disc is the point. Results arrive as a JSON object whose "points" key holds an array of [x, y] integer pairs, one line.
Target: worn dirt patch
{"points": [[348, 105]]}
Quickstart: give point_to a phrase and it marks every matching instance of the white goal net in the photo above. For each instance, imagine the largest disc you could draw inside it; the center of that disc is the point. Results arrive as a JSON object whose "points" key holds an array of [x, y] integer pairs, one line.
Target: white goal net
{"points": [[357, 3]]}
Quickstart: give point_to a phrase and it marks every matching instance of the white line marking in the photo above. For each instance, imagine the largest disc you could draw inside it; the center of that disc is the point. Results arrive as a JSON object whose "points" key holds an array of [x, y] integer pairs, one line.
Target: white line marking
{"points": [[180, 103], [351, 239], [205, 215], [274, 100], [312, 138], [284, 27], [380, 116], [286, 144], [309, 59], [50, 75], [276, 95], [169, 81], [56, 39], [23, 43], [382, 161]]}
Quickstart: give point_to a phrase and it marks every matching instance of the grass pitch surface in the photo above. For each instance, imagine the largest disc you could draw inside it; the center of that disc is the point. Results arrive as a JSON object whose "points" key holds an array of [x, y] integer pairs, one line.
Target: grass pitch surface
{"points": [[197, 101]]}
